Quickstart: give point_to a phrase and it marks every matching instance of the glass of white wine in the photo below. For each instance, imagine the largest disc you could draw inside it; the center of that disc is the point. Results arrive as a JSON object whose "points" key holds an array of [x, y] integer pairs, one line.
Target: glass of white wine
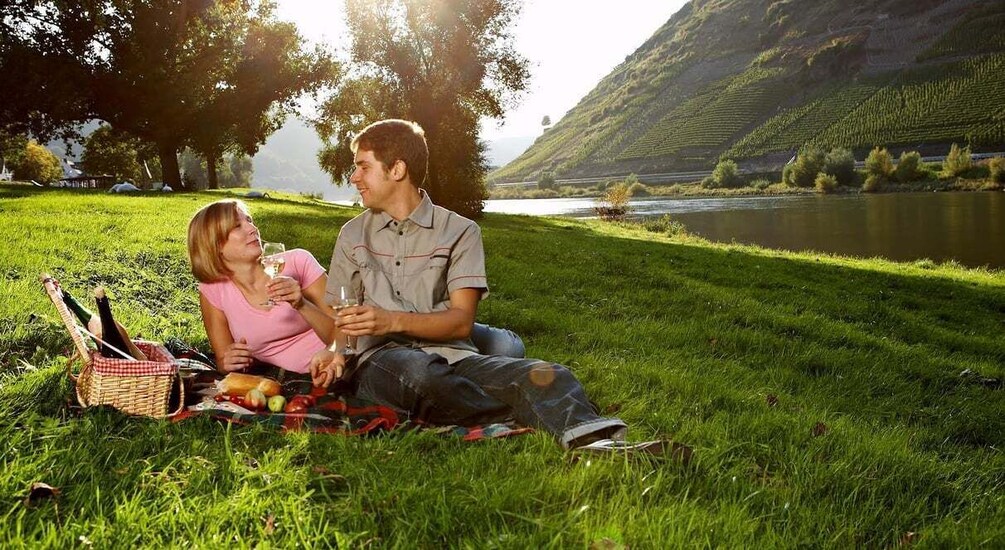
{"points": [[273, 261], [345, 297]]}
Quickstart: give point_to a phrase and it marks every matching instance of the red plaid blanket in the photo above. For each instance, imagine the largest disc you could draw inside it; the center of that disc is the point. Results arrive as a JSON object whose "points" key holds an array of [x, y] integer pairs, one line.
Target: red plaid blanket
{"points": [[347, 415]]}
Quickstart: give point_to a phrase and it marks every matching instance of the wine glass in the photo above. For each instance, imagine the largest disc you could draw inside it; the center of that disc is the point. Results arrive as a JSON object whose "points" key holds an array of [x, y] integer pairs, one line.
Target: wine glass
{"points": [[345, 297], [272, 261]]}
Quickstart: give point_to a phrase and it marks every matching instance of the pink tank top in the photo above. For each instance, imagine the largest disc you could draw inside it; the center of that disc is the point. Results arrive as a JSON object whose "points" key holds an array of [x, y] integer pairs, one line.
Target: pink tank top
{"points": [[279, 336]]}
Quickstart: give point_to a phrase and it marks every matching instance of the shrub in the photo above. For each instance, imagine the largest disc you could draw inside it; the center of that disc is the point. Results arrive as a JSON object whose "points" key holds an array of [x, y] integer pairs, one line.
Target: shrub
{"points": [[613, 205], [826, 183], [39, 164], [909, 167], [638, 189], [760, 184], [726, 174], [840, 163], [879, 163], [803, 172], [957, 162], [631, 180], [873, 183], [546, 181], [996, 168], [665, 224]]}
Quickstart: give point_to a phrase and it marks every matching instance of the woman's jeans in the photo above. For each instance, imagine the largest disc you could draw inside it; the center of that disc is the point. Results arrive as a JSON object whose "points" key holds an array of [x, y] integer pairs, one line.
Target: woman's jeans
{"points": [[482, 389]]}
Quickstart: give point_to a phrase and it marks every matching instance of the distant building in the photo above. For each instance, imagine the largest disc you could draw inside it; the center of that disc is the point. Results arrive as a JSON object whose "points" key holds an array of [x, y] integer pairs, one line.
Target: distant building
{"points": [[6, 175]]}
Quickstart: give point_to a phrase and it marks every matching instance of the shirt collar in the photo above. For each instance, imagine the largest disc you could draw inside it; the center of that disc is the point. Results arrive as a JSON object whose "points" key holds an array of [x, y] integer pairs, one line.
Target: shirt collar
{"points": [[421, 216]]}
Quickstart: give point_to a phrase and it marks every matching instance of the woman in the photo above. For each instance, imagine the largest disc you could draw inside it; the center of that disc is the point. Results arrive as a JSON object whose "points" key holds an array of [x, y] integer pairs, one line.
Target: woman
{"points": [[225, 249]]}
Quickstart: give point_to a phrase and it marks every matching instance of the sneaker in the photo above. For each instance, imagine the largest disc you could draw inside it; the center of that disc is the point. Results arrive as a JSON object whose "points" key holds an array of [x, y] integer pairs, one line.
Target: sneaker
{"points": [[615, 446]]}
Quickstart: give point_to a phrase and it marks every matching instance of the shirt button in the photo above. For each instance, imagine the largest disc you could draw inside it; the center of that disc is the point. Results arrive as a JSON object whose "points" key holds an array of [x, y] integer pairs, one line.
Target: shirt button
{"points": [[398, 292], [401, 232], [397, 263]]}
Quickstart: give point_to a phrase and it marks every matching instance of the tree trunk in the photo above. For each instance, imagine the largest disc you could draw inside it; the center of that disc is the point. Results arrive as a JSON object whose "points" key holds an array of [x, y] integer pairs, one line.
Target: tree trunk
{"points": [[169, 165], [211, 171]]}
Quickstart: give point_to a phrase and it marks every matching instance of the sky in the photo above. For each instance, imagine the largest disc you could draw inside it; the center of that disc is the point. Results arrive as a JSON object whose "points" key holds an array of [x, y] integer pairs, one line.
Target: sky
{"points": [[571, 45]]}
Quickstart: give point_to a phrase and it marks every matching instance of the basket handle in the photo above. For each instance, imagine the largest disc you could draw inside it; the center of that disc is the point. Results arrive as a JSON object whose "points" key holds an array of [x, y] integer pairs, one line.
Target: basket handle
{"points": [[181, 397], [56, 295]]}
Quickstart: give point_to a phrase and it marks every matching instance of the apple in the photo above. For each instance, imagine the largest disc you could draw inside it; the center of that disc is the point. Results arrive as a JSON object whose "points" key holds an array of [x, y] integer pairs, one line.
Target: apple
{"points": [[256, 399], [277, 403], [296, 407]]}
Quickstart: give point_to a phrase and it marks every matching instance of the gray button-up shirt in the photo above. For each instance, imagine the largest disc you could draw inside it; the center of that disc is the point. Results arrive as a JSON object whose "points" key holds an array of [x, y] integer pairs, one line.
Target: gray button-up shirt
{"points": [[412, 265]]}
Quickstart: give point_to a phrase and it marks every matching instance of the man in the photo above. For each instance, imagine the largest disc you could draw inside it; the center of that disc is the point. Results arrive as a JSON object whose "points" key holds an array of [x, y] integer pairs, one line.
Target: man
{"points": [[419, 272]]}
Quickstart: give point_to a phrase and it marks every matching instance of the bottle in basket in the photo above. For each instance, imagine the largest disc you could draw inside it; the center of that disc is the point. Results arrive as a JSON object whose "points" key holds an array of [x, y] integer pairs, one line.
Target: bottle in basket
{"points": [[116, 342], [85, 316]]}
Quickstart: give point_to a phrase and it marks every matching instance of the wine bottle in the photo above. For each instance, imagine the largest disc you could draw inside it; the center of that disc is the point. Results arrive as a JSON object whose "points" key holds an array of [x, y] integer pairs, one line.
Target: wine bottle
{"points": [[88, 319], [115, 342]]}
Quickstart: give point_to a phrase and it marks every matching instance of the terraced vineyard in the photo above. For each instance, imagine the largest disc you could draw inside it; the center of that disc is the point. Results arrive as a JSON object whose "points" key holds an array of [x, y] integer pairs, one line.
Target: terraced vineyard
{"points": [[799, 125], [954, 102], [712, 119]]}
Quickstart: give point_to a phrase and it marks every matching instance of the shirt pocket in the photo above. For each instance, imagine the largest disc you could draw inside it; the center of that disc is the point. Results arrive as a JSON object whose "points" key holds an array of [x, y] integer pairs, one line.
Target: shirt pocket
{"points": [[429, 279]]}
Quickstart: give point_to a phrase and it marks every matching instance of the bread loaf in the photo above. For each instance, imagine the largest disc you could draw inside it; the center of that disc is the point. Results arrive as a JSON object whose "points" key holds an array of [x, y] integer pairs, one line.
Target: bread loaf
{"points": [[237, 383]]}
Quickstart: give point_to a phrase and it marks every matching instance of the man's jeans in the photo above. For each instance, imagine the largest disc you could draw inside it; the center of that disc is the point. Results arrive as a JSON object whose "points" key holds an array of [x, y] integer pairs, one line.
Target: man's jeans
{"points": [[483, 388]]}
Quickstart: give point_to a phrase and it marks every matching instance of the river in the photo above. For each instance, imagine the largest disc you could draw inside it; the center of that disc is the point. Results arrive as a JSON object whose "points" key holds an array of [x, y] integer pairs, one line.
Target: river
{"points": [[966, 227]]}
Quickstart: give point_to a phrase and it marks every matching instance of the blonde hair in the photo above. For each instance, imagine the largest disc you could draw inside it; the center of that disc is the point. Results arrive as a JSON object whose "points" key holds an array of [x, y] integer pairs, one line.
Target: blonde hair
{"points": [[207, 232]]}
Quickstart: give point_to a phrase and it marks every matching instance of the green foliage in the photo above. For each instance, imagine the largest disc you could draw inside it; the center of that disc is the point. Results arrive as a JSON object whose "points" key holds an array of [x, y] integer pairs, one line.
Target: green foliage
{"points": [[666, 225], [996, 169], [957, 162], [196, 173], [879, 163], [443, 67], [109, 152], [39, 164], [803, 172], [214, 75], [825, 183], [840, 163], [638, 189], [760, 184], [873, 183], [725, 175], [909, 167], [546, 180]]}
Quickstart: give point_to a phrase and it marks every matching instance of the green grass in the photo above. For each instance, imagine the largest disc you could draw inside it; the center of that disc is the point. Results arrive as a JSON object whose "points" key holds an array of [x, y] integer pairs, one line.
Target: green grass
{"points": [[686, 339]]}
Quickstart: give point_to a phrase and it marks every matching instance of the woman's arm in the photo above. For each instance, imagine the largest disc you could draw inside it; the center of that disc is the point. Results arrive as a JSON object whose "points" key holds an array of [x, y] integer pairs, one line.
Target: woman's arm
{"points": [[310, 302], [230, 355]]}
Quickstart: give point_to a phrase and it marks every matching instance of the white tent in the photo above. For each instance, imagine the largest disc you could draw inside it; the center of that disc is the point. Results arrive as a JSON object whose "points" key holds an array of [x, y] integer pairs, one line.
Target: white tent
{"points": [[6, 175]]}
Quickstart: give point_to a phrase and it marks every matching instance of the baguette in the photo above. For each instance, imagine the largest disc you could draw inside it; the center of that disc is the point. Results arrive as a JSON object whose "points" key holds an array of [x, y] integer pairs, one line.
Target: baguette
{"points": [[236, 383]]}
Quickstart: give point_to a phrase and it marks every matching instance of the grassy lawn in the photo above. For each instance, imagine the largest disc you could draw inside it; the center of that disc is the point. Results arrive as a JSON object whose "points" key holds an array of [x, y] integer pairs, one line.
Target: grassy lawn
{"points": [[823, 397]]}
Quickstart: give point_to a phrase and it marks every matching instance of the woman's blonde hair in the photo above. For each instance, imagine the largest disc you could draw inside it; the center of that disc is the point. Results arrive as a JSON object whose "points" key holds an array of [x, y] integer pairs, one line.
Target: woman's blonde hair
{"points": [[207, 232]]}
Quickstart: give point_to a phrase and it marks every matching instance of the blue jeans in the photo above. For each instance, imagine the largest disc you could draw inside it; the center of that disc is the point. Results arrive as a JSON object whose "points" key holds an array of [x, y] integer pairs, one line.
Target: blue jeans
{"points": [[497, 341], [481, 389]]}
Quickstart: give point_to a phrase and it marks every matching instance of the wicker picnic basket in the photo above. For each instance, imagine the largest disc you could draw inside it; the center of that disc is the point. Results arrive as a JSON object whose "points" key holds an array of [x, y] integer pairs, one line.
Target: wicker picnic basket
{"points": [[134, 387]]}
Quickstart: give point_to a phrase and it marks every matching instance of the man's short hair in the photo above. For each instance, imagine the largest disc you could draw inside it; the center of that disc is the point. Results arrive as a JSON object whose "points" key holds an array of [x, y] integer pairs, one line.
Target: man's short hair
{"points": [[393, 140], [207, 233]]}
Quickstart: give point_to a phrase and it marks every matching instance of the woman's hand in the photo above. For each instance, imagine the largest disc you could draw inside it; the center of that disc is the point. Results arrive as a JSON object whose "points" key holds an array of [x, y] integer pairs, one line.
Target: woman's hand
{"points": [[236, 357], [327, 367], [286, 289]]}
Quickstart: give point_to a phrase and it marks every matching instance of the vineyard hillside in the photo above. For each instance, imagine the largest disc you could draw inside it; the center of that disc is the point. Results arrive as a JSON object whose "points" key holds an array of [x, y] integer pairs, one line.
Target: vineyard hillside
{"points": [[757, 80]]}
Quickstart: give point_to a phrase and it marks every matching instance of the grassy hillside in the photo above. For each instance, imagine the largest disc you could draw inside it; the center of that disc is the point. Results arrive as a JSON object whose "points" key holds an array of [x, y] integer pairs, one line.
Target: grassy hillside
{"points": [[755, 80], [831, 402]]}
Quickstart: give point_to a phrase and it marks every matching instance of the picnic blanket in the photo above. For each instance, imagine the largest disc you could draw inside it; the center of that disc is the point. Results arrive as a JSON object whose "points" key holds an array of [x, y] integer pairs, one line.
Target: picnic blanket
{"points": [[337, 412]]}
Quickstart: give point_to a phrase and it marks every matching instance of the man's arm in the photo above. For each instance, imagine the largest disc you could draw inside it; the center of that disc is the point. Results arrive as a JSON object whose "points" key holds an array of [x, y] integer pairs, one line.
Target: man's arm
{"points": [[440, 326]]}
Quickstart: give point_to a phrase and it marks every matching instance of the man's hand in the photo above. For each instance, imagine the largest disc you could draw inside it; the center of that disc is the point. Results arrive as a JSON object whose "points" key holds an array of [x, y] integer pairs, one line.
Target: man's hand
{"points": [[236, 357], [286, 289], [366, 320], [326, 367]]}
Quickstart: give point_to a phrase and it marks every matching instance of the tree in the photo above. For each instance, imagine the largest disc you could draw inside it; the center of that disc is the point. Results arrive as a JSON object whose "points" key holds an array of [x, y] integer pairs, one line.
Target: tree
{"points": [[109, 152], [444, 64], [726, 174], [803, 172], [840, 163], [38, 164], [879, 163], [150, 68], [957, 162]]}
